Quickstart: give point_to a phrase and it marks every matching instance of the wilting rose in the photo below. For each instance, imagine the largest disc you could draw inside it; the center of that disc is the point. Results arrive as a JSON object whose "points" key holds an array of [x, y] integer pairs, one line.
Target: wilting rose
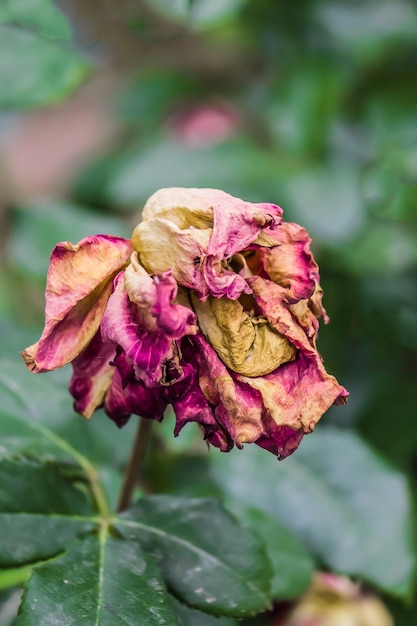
{"points": [[336, 601], [213, 307]]}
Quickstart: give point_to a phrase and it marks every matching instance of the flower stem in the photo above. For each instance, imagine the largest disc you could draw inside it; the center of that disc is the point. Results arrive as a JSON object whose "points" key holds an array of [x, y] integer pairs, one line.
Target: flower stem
{"points": [[135, 461]]}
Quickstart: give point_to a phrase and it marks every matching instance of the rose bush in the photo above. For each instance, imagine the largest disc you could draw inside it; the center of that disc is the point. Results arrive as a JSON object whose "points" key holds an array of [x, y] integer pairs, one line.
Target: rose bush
{"points": [[212, 307]]}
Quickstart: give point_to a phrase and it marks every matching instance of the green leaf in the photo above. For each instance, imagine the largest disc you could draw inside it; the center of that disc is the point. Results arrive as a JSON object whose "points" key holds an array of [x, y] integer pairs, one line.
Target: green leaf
{"points": [[41, 511], [291, 562], [35, 71], [191, 617], [345, 502], [29, 426], [369, 28], [101, 580], [9, 603], [153, 94], [207, 560], [42, 15]]}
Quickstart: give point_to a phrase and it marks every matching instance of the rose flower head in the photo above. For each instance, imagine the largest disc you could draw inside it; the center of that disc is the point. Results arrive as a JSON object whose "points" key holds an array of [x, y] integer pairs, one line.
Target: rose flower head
{"points": [[335, 600], [212, 307]]}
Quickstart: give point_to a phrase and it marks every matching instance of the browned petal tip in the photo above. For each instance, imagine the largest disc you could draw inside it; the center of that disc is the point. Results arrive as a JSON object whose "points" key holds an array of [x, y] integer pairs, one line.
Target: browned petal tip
{"points": [[28, 355]]}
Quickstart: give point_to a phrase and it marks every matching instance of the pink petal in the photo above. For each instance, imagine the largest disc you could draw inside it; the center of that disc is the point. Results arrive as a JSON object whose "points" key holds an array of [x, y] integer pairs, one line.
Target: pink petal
{"points": [[272, 300], [125, 324], [298, 393], [155, 298], [220, 282], [302, 390], [290, 263], [79, 283], [147, 339]]}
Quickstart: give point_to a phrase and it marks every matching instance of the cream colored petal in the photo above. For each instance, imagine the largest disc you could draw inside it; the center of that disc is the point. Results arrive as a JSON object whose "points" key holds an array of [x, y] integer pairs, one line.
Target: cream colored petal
{"points": [[162, 245], [185, 207], [194, 231], [246, 344], [139, 285]]}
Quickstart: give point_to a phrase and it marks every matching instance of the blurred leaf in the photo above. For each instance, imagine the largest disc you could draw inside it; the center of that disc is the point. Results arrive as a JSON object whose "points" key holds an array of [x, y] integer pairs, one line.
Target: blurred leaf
{"points": [[35, 71], [165, 164], [189, 538], [292, 564], [37, 229], [403, 614], [184, 473], [100, 580], [389, 186], [327, 202], [302, 107], [152, 95], [177, 9], [369, 28], [333, 493], [237, 166], [39, 502], [401, 207], [9, 603], [384, 102], [383, 248], [42, 15], [189, 441], [210, 12], [52, 430]]}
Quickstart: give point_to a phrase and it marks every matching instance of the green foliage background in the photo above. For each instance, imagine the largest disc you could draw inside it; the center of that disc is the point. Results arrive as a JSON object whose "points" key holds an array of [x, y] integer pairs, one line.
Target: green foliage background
{"points": [[323, 102]]}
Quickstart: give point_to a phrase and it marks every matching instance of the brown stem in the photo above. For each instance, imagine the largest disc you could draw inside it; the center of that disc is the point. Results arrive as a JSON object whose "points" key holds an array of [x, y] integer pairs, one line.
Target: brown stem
{"points": [[135, 461]]}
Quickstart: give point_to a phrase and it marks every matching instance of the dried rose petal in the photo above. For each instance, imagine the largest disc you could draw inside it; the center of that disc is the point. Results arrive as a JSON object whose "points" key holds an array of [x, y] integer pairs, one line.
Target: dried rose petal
{"points": [[215, 312], [78, 286]]}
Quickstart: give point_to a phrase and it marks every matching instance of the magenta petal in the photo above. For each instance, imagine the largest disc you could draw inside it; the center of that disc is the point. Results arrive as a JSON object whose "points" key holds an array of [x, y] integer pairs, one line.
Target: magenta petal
{"points": [[123, 324], [121, 402], [174, 319], [237, 224], [117, 403], [221, 282], [92, 376], [187, 399], [290, 263], [219, 438], [282, 441]]}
